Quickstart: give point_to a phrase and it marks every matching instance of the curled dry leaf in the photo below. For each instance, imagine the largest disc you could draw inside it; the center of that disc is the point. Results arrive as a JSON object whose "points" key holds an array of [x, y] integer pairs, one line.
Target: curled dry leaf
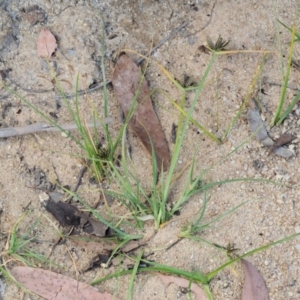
{"points": [[144, 122], [282, 140], [254, 286], [182, 282], [46, 43], [64, 213], [51, 285], [68, 215]]}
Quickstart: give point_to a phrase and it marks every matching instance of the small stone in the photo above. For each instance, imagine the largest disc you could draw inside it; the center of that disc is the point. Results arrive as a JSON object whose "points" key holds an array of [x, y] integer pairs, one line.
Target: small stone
{"points": [[291, 282], [63, 134], [267, 262], [298, 247], [44, 197]]}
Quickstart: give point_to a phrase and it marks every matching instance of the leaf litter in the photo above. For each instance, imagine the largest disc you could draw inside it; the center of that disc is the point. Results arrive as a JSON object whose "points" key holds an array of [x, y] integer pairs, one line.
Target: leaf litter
{"points": [[46, 43], [51, 285], [69, 215], [144, 122], [257, 126], [254, 286]]}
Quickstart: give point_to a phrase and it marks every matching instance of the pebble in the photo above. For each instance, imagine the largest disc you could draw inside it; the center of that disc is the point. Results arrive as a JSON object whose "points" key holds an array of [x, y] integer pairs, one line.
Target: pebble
{"points": [[267, 262], [291, 281], [63, 134], [44, 197], [298, 247]]}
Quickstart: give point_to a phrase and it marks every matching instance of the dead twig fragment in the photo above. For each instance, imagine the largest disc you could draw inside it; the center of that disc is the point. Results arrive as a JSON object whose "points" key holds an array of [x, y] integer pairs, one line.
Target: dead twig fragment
{"points": [[38, 127]]}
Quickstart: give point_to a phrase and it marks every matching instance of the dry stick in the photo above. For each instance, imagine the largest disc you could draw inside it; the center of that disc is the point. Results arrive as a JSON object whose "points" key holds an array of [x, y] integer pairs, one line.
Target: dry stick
{"points": [[81, 173], [100, 85], [210, 18], [38, 127], [280, 85]]}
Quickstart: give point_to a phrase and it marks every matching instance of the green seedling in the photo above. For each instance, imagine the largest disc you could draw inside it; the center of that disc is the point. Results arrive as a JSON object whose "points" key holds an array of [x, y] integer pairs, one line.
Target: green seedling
{"points": [[16, 248], [219, 45], [297, 34]]}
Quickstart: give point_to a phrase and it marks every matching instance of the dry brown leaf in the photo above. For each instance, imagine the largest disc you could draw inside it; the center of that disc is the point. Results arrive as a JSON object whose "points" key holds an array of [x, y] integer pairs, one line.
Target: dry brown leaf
{"points": [[257, 125], [103, 246], [92, 226], [94, 246], [182, 282], [66, 214], [254, 286], [96, 227], [52, 285], [144, 122], [284, 139], [46, 43]]}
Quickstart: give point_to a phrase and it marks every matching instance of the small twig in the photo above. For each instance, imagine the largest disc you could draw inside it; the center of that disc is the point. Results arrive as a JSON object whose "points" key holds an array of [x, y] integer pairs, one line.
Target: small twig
{"points": [[173, 244], [100, 85], [280, 84], [168, 37], [210, 18], [81, 173], [17, 131]]}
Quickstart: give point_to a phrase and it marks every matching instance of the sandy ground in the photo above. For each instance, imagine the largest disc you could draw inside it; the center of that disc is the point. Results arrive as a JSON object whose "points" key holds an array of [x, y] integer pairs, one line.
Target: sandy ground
{"points": [[272, 211]]}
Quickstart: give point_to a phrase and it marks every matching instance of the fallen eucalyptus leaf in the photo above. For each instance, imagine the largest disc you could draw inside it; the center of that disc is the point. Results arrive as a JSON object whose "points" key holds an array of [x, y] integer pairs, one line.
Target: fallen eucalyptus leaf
{"points": [[144, 122], [51, 285], [182, 282], [254, 286], [46, 43], [65, 213], [282, 140], [95, 247]]}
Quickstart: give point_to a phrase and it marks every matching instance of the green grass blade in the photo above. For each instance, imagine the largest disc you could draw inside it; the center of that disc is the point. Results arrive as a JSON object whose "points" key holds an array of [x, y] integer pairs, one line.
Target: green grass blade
{"points": [[291, 30], [181, 134], [216, 271], [289, 108], [133, 275], [277, 115]]}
